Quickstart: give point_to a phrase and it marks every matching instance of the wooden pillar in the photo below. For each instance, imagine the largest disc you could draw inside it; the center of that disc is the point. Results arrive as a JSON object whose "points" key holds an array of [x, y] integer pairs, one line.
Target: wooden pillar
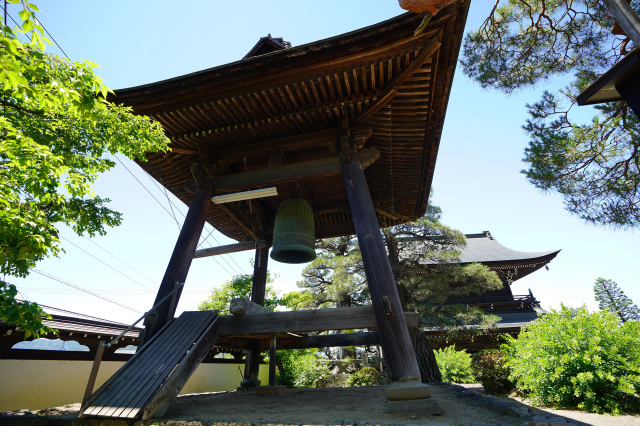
{"points": [[392, 328], [181, 258], [272, 361], [258, 289]]}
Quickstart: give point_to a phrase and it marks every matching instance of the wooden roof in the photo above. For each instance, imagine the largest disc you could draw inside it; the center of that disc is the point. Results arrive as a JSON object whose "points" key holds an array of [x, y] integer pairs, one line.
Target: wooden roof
{"points": [[275, 119]]}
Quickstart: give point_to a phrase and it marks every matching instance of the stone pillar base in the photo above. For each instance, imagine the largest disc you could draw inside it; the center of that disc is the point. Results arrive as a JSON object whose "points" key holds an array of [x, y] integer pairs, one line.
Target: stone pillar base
{"points": [[411, 397]]}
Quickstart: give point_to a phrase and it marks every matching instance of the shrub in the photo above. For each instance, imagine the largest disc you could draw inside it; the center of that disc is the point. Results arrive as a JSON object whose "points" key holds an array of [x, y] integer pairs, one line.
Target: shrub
{"points": [[302, 369], [573, 358], [455, 366], [367, 376], [491, 370]]}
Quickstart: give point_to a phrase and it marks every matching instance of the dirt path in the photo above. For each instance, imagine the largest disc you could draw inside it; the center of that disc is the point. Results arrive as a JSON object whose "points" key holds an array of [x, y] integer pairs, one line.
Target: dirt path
{"points": [[341, 406]]}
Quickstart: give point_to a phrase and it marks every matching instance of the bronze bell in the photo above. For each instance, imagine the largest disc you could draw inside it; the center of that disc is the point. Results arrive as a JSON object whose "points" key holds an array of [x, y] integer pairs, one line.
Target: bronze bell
{"points": [[294, 236]]}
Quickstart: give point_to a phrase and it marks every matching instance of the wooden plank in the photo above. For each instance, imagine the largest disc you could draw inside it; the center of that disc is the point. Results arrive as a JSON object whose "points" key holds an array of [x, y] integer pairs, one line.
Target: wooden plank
{"points": [[92, 401], [363, 338], [194, 328], [230, 248], [136, 381], [392, 327], [170, 389], [271, 176], [137, 372], [358, 317], [147, 375]]}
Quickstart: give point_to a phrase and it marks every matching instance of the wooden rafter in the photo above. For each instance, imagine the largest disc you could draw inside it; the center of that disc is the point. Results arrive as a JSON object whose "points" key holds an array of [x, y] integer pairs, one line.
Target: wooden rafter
{"points": [[270, 176], [391, 90]]}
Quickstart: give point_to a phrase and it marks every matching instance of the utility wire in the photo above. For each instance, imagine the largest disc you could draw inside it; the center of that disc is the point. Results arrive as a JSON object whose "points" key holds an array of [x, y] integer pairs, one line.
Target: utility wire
{"points": [[171, 203], [84, 290], [141, 184], [6, 13], [46, 31], [99, 246], [106, 264]]}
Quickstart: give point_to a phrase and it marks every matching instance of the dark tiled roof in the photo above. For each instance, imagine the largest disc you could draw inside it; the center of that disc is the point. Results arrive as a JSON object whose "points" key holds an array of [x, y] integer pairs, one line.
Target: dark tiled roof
{"points": [[266, 45], [483, 248]]}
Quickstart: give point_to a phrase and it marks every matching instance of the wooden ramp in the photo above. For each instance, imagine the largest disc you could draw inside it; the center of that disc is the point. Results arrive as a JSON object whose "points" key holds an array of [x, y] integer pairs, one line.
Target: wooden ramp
{"points": [[153, 377]]}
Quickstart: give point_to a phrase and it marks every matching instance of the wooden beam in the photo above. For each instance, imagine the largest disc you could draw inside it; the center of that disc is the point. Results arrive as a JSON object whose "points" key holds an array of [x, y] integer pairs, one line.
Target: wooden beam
{"points": [[308, 320], [363, 338], [183, 151], [392, 327], [181, 258], [305, 140], [391, 90], [230, 248], [271, 176], [242, 220]]}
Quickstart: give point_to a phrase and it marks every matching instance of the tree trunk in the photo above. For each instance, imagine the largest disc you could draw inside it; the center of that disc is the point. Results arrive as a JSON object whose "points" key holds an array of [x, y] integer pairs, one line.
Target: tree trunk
{"points": [[429, 371]]}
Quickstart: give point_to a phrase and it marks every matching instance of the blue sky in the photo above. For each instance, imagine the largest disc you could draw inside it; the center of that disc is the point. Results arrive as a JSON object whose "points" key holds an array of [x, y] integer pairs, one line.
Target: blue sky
{"points": [[477, 182]]}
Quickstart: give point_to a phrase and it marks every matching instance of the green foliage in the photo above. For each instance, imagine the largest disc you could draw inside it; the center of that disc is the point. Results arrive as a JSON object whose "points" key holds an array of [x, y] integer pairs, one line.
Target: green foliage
{"points": [[238, 286], [297, 300], [28, 315], [593, 165], [336, 277], [573, 358], [367, 376], [423, 256], [302, 368], [491, 369], [455, 366], [56, 130], [611, 297]]}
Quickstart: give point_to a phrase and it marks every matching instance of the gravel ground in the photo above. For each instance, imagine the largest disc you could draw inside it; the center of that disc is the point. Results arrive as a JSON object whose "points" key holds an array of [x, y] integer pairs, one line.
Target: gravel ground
{"points": [[459, 406]]}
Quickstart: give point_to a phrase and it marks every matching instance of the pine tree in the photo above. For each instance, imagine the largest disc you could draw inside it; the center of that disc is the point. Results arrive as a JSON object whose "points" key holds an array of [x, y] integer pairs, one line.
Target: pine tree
{"points": [[610, 297], [423, 257], [594, 165]]}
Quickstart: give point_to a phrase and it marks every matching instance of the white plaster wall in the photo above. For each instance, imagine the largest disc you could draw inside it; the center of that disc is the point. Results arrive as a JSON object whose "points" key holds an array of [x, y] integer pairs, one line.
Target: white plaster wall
{"points": [[38, 384]]}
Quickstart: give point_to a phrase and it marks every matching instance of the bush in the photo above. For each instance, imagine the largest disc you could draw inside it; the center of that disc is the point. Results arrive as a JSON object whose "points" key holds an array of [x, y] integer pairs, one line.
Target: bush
{"points": [[367, 376], [573, 358], [302, 369], [455, 366], [491, 370]]}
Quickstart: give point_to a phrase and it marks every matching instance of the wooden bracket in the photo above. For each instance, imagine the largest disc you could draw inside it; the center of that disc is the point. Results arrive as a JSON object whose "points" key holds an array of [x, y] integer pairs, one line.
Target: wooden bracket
{"points": [[199, 172], [387, 305], [345, 149]]}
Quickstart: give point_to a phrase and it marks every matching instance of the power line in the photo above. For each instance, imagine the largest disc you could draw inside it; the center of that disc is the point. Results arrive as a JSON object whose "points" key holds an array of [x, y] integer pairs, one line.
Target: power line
{"points": [[141, 184], [46, 31], [106, 264], [6, 13], [171, 203], [99, 246], [174, 217], [224, 258], [84, 290]]}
